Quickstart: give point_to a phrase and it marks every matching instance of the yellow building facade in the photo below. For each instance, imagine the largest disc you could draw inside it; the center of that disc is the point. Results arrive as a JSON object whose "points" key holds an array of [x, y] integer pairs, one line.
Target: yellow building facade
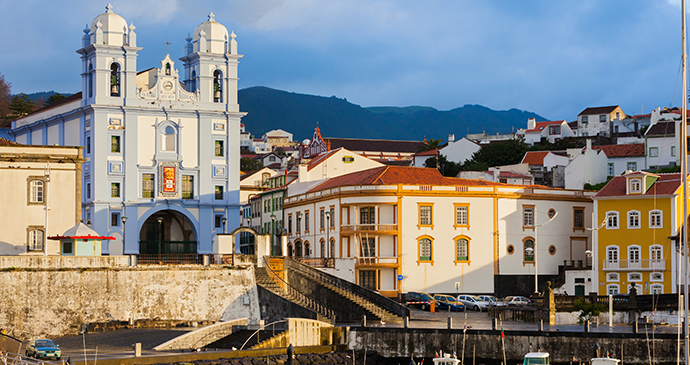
{"points": [[636, 243]]}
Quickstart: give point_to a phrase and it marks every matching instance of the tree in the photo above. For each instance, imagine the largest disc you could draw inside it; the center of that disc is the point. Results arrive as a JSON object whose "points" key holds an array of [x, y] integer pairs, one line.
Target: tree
{"points": [[5, 97], [587, 309], [54, 99], [445, 167], [430, 145], [496, 154], [21, 105], [250, 164]]}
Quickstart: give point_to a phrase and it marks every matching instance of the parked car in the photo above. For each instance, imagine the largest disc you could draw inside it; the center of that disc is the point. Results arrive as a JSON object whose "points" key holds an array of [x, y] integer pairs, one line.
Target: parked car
{"points": [[473, 302], [419, 300], [43, 349], [516, 301], [443, 302], [492, 300]]}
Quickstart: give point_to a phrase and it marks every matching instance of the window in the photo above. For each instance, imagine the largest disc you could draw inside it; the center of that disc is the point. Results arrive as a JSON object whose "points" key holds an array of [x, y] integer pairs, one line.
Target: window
{"points": [[322, 219], [187, 187], [114, 79], [89, 80], [510, 249], [192, 82], [554, 130], [114, 190], [217, 87], [610, 169], [367, 215], [147, 185], [655, 253], [635, 186], [298, 226], [462, 216], [332, 218], [217, 220], [579, 218], [68, 247], [115, 144], [584, 119], [653, 151], [634, 255], [35, 239], [634, 276], [657, 288], [289, 227], [632, 166], [36, 191], [323, 248], [612, 254], [655, 219], [633, 219], [219, 152], [425, 250], [88, 190], [656, 276], [612, 289], [528, 250], [218, 193], [673, 150], [612, 276], [425, 218], [602, 118], [527, 216], [88, 145], [168, 139], [611, 220], [368, 248], [332, 249], [462, 249], [306, 221], [115, 219]]}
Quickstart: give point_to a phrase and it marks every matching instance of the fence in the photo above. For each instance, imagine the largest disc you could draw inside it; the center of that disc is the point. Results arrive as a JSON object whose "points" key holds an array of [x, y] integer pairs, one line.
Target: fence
{"points": [[323, 262]]}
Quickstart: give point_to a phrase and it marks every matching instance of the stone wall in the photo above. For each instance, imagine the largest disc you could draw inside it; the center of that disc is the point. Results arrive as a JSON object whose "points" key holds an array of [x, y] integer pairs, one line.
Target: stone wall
{"points": [[55, 303], [275, 307]]}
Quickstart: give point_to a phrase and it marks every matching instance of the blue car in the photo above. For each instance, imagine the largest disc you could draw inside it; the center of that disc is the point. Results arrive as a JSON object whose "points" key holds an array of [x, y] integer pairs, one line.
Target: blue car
{"points": [[43, 349], [443, 302]]}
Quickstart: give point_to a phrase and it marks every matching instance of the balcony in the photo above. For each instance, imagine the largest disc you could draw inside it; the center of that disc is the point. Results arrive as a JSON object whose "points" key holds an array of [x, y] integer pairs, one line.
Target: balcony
{"points": [[634, 265], [368, 228], [366, 261]]}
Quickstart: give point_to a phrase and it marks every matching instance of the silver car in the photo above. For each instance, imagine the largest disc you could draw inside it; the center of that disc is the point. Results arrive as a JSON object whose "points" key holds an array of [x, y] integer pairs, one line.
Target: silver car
{"points": [[473, 302], [492, 300]]}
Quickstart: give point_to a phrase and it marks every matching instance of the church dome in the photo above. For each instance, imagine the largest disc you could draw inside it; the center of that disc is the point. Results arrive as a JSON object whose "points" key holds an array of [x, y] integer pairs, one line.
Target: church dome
{"points": [[112, 25], [214, 33]]}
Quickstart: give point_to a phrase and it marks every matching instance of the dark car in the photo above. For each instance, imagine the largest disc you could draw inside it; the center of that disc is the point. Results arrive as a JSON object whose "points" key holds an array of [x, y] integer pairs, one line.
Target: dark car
{"points": [[419, 300], [43, 349], [448, 302]]}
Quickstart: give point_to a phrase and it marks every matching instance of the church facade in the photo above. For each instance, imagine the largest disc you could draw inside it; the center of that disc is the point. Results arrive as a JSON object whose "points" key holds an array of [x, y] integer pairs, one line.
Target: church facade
{"points": [[161, 146]]}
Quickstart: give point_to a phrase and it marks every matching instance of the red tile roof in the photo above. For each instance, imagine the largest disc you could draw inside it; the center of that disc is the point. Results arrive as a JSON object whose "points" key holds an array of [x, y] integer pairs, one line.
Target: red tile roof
{"points": [[392, 175], [428, 153], [667, 184], [7, 142], [539, 126], [316, 161], [513, 175], [622, 150], [534, 157]]}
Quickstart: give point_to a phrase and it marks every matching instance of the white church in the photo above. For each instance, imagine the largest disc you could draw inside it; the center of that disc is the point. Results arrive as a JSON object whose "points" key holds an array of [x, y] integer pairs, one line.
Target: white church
{"points": [[162, 150]]}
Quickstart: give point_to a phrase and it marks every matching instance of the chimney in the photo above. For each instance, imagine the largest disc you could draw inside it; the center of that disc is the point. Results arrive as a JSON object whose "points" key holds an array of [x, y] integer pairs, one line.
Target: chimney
{"points": [[451, 138], [531, 123]]}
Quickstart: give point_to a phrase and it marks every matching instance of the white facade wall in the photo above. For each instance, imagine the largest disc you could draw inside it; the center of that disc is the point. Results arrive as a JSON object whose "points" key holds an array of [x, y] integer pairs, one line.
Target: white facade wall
{"points": [[586, 168], [667, 148], [458, 151], [621, 164], [552, 160]]}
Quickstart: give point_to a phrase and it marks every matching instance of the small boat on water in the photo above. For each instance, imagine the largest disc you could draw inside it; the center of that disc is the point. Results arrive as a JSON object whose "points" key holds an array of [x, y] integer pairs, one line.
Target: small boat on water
{"points": [[446, 359], [536, 358]]}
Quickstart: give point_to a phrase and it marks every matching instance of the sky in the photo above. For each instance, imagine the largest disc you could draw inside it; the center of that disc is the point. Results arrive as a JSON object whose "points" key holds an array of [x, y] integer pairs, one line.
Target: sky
{"points": [[551, 57]]}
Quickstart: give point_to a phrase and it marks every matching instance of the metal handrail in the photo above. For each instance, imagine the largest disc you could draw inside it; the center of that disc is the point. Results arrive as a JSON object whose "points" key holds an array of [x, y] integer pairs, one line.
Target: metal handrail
{"points": [[310, 303]]}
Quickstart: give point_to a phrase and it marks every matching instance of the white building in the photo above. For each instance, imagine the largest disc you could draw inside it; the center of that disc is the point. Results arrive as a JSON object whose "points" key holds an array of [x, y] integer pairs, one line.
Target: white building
{"points": [[551, 131], [662, 144], [597, 121], [624, 157], [587, 166], [40, 196], [161, 149]]}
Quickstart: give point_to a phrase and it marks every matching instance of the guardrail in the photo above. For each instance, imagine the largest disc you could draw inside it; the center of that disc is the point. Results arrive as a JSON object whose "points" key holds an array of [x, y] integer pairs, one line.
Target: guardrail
{"points": [[202, 336], [170, 259], [307, 302], [350, 228], [370, 295], [634, 265], [317, 261]]}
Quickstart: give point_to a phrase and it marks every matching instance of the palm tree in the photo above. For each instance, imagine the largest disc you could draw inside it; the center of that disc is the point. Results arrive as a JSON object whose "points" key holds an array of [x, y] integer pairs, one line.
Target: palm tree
{"points": [[430, 144]]}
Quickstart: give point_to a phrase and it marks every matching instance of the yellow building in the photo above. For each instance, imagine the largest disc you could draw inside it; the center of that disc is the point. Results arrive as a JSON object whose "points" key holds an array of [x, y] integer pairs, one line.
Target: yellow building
{"points": [[636, 244]]}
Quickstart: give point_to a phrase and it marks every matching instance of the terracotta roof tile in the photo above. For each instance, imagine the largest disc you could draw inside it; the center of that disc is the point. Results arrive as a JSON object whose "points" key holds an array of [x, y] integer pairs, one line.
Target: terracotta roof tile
{"points": [[667, 184], [622, 150], [534, 157], [7, 142], [428, 153], [316, 161], [539, 126]]}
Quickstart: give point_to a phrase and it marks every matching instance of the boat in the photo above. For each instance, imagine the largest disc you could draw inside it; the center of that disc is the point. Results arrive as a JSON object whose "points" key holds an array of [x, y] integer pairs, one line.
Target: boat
{"points": [[537, 358], [605, 361], [446, 359]]}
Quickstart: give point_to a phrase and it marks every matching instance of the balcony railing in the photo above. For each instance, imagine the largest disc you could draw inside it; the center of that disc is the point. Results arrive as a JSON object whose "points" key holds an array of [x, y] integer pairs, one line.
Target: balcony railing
{"points": [[376, 260], [316, 261], [352, 228], [634, 265]]}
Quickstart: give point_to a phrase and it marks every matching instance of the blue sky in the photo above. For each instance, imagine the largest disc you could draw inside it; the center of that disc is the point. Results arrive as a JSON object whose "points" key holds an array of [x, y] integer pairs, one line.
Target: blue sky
{"points": [[551, 57]]}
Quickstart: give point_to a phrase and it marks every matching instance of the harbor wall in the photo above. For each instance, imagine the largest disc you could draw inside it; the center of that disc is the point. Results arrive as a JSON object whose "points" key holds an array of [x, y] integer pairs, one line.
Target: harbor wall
{"points": [[487, 344], [57, 302]]}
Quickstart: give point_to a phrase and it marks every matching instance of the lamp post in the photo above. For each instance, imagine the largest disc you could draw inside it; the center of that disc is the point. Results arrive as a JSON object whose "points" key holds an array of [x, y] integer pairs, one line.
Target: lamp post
{"points": [[536, 268], [223, 220], [273, 233], [328, 233], [124, 220], [160, 233]]}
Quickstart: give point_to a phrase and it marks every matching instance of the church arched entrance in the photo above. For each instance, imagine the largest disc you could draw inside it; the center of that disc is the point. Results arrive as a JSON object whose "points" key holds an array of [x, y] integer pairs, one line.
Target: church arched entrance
{"points": [[165, 232]]}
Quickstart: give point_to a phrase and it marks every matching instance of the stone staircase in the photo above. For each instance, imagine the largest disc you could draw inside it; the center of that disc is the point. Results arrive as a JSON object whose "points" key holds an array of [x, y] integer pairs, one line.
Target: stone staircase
{"points": [[380, 313], [265, 280]]}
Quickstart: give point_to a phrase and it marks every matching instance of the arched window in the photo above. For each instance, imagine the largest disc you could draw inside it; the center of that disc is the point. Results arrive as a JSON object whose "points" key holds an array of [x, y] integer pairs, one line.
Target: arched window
{"points": [[192, 82], [528, 250], [167, 69], [612, 289], [332, 251], [35, 240], [217, 87], [168, 140], [323, 248], [634, 256], [307, 249], [89, 80], [611, 220], [36, 191], [289, 250], [462, 249], [425, 249], [114, 79], [611, 257], [656, 254], [298, 249]]}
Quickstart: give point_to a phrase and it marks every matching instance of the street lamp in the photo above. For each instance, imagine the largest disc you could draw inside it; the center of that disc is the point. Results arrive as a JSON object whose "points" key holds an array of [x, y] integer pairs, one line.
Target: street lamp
{"points": [[328, 233], [536, 268], [273, 233], [124, 220], [160, 233], [223, 220], [249, 221]]}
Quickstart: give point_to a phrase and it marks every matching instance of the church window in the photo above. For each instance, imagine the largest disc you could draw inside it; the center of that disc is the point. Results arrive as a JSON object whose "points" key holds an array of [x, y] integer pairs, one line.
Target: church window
{"points": [[187, 187], [217, 87], [115, 80], [192, 82], [219, 150], [168, 139], [218, 192], [114, 190], [89, 80], [115, 144], [147, 185]]}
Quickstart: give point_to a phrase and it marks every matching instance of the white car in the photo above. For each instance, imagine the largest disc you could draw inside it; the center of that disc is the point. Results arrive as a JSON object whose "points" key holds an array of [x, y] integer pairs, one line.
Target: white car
{"points": [[516, 301], [492, 300], [473, 302]]}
